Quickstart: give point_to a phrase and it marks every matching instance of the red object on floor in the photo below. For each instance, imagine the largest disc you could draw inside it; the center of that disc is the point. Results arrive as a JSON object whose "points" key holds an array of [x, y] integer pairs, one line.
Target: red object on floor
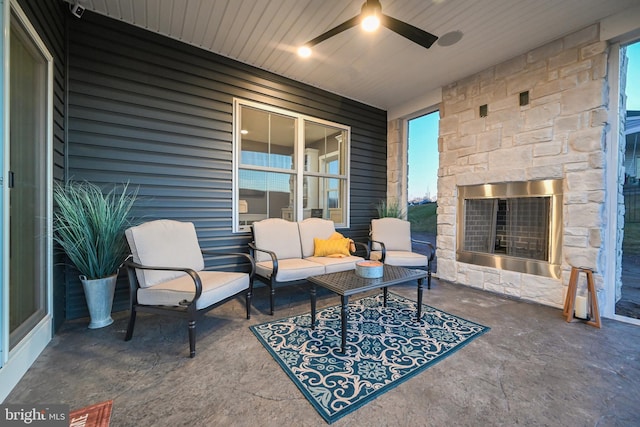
{"points": [[98, 415]]}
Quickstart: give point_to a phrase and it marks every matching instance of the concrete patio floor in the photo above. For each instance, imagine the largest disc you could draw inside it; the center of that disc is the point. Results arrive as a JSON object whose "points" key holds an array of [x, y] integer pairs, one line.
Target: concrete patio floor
{"points": [[532, 368]]}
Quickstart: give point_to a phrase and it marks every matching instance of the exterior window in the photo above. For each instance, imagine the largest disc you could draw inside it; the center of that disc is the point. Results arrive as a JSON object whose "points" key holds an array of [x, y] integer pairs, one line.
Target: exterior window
{"points": [[288, 166]]}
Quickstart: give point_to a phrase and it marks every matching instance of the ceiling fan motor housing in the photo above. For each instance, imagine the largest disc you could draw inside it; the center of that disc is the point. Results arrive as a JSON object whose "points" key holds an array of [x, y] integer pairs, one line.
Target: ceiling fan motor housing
{"points": [[371, 7]]}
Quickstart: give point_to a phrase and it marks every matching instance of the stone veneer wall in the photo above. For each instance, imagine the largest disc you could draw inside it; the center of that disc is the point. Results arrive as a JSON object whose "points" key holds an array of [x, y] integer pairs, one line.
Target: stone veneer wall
{"points": [[559, 135], [396, 163]]}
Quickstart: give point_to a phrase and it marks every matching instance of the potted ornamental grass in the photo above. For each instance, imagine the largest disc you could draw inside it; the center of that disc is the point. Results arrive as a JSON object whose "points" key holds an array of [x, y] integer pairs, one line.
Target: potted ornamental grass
{"points": [[89, 225], [390, 209]]}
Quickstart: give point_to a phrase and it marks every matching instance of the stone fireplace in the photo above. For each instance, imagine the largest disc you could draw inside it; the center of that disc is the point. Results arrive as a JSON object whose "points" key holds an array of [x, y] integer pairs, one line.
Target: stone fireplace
{"points": [[508, 134]]}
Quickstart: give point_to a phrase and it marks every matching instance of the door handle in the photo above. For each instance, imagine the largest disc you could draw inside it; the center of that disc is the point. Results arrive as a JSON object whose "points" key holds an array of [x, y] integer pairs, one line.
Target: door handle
{"points": [[10, 179]]}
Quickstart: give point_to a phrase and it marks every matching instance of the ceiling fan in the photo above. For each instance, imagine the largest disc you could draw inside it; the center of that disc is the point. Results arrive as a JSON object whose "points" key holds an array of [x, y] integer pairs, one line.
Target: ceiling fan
{"points": [[371, 18]]}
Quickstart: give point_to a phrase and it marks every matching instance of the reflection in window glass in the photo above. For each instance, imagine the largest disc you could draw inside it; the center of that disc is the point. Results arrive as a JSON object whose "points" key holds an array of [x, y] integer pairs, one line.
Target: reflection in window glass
{"points": [[288, 166], [267, 139], [324, 198], [325, 140], [333, 193], [263, 159], [324, 166], [264, 194]]}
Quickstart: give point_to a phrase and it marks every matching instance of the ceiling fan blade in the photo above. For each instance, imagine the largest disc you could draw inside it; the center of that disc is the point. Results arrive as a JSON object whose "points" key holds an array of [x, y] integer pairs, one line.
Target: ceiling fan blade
{"points": [[408, 31], [335, 30]]}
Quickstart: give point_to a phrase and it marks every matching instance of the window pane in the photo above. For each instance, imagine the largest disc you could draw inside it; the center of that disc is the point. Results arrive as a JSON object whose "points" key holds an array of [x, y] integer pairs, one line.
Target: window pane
{"points": [[310, 186], [326, 142], [265, 195], [275, 181], [267, 139], [324, 198]]}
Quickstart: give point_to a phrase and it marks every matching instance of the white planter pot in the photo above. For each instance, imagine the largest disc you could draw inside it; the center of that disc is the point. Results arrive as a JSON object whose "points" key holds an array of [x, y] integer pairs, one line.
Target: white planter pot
{"points": [[99, 296]]}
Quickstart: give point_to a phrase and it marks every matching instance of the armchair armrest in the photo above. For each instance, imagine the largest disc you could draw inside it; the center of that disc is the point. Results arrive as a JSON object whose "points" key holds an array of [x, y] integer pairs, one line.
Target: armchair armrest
{"points": [[382, 248], [432, 249], [274, 258], [364, 246], [134, 284]]}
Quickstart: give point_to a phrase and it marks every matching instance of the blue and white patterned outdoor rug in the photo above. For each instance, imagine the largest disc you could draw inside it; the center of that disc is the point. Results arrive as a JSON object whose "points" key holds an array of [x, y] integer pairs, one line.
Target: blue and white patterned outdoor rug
{"points": [[385, 347]]}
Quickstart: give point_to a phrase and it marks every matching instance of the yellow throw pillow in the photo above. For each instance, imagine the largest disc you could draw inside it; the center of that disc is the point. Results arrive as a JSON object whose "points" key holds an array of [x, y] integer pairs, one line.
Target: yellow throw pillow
{"points": [[331, 247], [336, 235]]}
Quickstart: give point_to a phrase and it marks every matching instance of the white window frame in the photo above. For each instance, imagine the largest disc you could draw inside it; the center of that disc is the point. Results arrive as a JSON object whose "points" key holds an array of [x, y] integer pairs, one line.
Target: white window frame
{"points": [[297, 170]]}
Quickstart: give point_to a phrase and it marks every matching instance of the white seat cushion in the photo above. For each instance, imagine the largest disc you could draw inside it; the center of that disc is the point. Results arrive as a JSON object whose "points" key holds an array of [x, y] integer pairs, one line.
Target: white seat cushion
{"points": [[312, 228], [290, 269], [279, 236], [164, 243], [216, 286], [333, 265], [405, 259]]}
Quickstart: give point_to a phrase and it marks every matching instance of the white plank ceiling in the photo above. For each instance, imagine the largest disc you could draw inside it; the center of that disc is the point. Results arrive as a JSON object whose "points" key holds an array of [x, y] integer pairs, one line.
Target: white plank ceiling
{"points": [[381, 69]]}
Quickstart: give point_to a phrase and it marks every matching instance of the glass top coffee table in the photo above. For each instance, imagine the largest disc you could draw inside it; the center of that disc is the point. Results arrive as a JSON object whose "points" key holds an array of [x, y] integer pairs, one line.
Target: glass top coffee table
{"points": [[347, 283]]}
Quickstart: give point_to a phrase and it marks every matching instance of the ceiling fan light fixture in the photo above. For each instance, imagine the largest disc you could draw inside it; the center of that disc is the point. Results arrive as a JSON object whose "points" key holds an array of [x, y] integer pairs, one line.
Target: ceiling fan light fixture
{"points": [[370, 23], [304, 51], [373, 8], [371, 11]]}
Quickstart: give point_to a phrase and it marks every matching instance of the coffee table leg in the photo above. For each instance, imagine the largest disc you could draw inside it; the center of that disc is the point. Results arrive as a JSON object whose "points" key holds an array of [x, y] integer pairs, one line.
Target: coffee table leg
{"points": [[385, 293], [345, 303], [313, 306], [420, 281]]}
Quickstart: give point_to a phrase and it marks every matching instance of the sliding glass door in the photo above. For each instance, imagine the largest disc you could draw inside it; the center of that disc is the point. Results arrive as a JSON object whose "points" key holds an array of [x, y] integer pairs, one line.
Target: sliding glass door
{"points": [[26, 109], [27, 182]]}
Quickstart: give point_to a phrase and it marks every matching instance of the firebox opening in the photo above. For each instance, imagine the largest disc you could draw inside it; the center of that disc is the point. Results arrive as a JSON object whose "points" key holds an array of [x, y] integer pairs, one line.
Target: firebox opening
{"points": [[512, 226], [516, 226]]}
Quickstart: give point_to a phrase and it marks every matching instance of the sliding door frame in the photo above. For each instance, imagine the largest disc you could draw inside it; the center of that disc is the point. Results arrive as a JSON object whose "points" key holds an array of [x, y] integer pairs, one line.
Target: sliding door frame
{"points": [[16, 361]]}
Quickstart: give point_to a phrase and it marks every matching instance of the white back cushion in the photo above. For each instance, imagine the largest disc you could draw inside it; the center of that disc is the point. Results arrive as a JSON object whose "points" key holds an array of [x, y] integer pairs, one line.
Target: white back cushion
{"points": [[393, 232], [279, 236], [314, 227], [164, 243]]}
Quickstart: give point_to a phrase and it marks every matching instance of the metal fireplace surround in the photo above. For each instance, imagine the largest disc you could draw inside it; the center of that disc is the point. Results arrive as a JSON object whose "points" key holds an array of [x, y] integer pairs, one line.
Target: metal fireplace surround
{"points": [[545, 261]]}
